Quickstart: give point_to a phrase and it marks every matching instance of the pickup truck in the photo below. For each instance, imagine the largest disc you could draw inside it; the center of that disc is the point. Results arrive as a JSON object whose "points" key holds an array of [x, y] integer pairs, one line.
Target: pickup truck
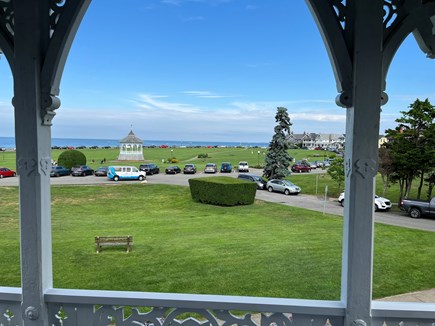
{"points": [[416, 208]]}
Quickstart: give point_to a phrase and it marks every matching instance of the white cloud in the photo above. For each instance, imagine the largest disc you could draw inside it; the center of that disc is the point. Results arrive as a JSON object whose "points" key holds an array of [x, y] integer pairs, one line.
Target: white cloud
{"points": [[193, 18], [172, 2], [205, 94], [151, 102], [322, 117]]}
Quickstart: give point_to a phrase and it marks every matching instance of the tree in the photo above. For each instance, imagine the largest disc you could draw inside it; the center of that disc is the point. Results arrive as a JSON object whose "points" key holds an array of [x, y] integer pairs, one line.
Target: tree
{"points": [[430, 184], [71, 158], [336, 171], [277, 157], [411, 145], [385, 167]]}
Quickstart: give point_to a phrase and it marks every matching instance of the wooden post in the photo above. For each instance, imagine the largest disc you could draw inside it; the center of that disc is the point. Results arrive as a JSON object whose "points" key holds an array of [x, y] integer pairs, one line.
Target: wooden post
{"points": [[362, 132], [33, 141]]}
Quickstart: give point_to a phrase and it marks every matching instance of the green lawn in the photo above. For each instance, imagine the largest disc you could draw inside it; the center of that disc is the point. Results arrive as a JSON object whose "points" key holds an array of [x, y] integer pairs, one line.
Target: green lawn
{"points": [[310, 183], [180, 246], [184, 155]]}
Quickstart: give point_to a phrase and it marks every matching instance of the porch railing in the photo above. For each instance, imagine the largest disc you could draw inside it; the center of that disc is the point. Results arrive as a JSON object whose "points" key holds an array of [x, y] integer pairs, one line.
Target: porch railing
{"points": [[87, 307]]}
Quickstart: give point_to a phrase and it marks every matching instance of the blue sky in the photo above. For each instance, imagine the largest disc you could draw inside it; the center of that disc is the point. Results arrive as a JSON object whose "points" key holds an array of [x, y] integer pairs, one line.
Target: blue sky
{"points": [[207, 70]]}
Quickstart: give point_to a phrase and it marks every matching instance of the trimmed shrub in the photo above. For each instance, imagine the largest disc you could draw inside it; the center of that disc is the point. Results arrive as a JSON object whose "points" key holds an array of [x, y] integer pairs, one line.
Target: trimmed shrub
{"points": [[71, 158], [222, 191], [204, 155]]}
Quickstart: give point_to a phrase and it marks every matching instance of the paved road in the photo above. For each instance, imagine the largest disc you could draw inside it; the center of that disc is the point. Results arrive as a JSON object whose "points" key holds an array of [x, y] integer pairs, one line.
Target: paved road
{"points": [[316, 203]]}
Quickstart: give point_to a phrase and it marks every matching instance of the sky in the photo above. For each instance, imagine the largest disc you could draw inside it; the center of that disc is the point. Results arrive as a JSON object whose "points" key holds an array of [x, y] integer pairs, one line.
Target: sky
{"points": [[210, 70]]}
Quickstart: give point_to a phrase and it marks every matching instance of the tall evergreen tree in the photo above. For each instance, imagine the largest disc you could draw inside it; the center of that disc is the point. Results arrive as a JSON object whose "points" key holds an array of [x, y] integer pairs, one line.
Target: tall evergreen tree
{"points": [[277, 157]]}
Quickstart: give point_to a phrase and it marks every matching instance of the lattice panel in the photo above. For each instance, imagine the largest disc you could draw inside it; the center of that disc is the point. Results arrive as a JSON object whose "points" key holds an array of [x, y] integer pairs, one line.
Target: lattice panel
{"points": [[56, 9], [10, 314], [402, 322], [7, 17], [340, 10], [392, 10], [73, 315]]}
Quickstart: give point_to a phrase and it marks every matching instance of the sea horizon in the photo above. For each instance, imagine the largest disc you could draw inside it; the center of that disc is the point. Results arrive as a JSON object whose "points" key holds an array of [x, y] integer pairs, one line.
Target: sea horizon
{"points": [[9, 143]]}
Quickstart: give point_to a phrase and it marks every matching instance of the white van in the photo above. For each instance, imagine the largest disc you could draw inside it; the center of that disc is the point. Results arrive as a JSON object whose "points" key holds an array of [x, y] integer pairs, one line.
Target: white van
{"points": [[116, 173]]}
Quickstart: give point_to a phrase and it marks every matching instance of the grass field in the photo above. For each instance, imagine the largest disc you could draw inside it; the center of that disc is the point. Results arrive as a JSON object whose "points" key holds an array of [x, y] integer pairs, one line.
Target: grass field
{"points": [[310, 183], [184, 155], [180, 246]]}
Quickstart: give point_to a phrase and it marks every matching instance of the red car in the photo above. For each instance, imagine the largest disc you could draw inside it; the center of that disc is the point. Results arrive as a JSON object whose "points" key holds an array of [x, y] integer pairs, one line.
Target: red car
{"points": [[300, 168], [5, 172]]}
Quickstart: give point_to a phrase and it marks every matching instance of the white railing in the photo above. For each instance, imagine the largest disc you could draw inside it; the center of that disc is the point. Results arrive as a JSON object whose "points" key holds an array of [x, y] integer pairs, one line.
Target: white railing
{"points": [[403, 313], [86, 307]]}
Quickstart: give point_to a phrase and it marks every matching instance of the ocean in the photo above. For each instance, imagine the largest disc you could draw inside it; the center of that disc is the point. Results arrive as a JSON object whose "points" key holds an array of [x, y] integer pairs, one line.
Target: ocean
{"points": [[9, 143]]}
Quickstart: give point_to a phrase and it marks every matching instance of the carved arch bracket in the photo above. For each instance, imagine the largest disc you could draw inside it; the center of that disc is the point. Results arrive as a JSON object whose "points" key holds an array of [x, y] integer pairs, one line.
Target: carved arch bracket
{"points": [[401, 17], [64, 17], [408, 16], [49, 103]]}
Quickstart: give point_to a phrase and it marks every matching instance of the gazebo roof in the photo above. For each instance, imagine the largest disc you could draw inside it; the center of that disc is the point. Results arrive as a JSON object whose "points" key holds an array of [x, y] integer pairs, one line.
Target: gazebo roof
{"points": [[131, 138]]}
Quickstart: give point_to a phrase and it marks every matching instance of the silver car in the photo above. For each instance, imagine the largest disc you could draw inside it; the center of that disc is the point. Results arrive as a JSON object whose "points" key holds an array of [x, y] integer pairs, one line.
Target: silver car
{"points": [[210, 168], [284, 186]]}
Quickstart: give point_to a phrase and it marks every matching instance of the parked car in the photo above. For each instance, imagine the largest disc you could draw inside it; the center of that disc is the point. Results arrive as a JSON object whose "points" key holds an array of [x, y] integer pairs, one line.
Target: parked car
{"points": [[312, 165], [284, 186], [189, 168], [417, 208], [82, 170], [210, 168], [5, 172], [57, 171], [172, 170], [261, 184], [300, 168], [101, 171], [381, 203], [116, 173], [243, 166], [226, 167], [149, 169]]}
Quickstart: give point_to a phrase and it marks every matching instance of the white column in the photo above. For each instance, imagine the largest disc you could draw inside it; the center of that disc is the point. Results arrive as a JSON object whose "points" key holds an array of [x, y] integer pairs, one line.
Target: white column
{"points": [[362, 134], [33, 158]]}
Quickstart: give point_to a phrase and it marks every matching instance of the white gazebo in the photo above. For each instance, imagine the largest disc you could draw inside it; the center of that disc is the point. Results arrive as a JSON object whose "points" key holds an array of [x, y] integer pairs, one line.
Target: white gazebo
{"points": [[131, 148]]}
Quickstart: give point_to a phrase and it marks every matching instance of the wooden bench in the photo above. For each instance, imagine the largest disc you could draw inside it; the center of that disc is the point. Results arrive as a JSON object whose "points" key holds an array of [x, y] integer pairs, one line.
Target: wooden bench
{"points": [[119, 241]]}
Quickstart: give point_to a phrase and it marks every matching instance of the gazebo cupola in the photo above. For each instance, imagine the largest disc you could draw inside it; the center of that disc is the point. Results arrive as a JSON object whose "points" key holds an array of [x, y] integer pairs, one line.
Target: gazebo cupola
{"points": [[131, 148]]}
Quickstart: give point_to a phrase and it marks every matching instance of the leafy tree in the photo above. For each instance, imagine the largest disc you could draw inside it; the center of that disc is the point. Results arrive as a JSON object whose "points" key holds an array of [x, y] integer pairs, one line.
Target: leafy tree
{"points": [[71, 158], [430, 184], [277, 157], [385, 167], [336, 171], [411, 144]]}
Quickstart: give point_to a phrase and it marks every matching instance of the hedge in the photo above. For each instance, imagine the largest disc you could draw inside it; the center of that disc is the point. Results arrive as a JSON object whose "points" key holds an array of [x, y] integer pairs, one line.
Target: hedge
{"points": [[222, 191], [71, 158]]}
